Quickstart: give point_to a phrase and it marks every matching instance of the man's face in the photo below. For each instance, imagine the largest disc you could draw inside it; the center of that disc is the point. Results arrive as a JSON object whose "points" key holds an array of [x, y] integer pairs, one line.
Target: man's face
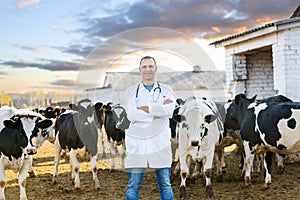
{"points": [[148, 69]]}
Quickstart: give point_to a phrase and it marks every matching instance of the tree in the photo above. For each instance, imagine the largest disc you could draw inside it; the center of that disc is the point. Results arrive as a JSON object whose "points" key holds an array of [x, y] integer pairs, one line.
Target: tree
{"points": [[5, 99]]}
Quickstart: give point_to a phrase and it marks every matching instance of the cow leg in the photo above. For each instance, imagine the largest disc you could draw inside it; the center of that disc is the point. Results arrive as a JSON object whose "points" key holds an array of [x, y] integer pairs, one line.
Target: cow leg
{"points": [[268, 165], [257, 163], [75, 167], [123, 151], [219, 157], [176, 169], [101, 132], [197, 170], [207, 169], [174, 146], [30, 170], [22, 177], [280, 165], [57, 154], [113, 154], [248, 162], [2, 179], [184, 172], [93, 165]]}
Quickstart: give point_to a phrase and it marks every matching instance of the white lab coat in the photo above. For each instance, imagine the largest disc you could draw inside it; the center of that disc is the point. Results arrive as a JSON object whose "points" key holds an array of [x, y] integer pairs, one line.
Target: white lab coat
{"points": [[147, 140]]}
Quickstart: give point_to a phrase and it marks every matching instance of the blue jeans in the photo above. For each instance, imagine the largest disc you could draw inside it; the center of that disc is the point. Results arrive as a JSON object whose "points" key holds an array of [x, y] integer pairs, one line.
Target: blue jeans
{"points": [[162, 178]]}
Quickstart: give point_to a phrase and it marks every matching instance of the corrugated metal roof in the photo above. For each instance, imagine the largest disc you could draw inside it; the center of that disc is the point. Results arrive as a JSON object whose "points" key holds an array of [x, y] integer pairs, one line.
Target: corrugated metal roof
{"points": [[286, 21]]}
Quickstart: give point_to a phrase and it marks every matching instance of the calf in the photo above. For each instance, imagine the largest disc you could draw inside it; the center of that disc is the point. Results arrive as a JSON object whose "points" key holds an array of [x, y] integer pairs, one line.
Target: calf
{"points": [[199, 132], [16, 146], [252, 116], [75, 130], [115, 124]]}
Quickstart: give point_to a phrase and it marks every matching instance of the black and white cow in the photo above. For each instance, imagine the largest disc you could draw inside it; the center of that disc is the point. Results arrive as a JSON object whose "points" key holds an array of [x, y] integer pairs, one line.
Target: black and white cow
{"points": [[199, 132], [76, 130], [49, 133], [16, 145], [51, 112], [99, 118], [174, 129], [231, 132], [259, 126], [115, 123]]}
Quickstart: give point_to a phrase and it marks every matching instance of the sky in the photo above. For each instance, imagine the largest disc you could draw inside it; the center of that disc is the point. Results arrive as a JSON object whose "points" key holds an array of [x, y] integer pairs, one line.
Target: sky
{"points": [[61, 45]]}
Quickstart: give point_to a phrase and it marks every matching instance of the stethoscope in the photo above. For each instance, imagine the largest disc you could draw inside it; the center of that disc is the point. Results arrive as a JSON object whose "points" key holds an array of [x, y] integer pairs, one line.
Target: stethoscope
{"points": [[157, 94]]}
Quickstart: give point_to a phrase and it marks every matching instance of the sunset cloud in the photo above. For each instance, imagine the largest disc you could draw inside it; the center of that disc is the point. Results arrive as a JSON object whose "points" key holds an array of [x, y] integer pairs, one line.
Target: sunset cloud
{"points": [[62, 37], [24, 3]]}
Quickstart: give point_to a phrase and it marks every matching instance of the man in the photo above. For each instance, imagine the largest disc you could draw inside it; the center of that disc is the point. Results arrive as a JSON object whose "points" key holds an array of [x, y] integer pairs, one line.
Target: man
{"points": [[149, 106]]}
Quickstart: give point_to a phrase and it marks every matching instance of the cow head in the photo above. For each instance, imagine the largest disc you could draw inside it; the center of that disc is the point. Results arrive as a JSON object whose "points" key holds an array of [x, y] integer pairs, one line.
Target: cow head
{"points": [[229, 123], [84, 119], [236, 110], [118, 114], [51, 112], [46, 134], [28, 127], [195, 117], [99, 117]]}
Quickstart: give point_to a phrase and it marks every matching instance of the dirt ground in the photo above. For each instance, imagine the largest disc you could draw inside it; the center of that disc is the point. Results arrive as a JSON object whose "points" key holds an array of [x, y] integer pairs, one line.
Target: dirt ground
{"points": [[113, 184]]}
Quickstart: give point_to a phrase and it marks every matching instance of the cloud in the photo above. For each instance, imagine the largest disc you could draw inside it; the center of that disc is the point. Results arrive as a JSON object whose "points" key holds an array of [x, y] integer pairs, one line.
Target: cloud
{"points": [[28, 48], [3, 74], [194, 17], [51, 65], [63, 83], [68, 84], [76, 49], [24, 3], [205, 19]]}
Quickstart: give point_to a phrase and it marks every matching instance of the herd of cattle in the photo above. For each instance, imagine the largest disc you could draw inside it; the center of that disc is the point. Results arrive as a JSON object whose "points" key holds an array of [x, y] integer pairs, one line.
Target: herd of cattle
{"points": [[200, 128]]}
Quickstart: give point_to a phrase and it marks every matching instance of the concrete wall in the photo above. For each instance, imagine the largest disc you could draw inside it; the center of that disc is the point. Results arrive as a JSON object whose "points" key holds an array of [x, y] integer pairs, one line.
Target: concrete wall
{"points": [[286, 58], [260, 80]]}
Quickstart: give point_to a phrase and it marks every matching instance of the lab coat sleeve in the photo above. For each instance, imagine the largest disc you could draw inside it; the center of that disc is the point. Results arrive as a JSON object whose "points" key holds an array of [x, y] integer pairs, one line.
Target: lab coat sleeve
{"points": [[164, 110], [134, 114]]}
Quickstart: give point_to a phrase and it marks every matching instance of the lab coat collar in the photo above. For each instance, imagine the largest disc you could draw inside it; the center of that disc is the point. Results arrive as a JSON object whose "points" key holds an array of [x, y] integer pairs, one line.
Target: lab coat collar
{"points": [[141, 86]]}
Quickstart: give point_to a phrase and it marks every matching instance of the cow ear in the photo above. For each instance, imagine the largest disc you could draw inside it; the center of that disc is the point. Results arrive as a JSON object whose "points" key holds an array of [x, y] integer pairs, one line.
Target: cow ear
{"points": [[104, 107], [10, 123], [210, 118], [179, 118], [109, 106], [44, 123], [179, 101], [239, 97], [253, 98], [72, 106], [42, 112], [108, 111], [98, 105]]}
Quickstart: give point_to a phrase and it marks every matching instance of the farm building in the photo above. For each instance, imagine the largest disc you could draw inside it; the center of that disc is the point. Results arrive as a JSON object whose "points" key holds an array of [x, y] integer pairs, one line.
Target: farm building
{"points": [[264, 60], [209, 84]]}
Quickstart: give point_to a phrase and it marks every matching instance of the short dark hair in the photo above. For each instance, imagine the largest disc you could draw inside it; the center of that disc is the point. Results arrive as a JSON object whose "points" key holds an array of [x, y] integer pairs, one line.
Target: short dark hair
{"points": [[147, 57]]}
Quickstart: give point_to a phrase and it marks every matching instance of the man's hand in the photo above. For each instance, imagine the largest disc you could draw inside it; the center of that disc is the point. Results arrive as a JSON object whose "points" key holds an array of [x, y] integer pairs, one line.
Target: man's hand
{"points": [[144, 108], [167, 101]]}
